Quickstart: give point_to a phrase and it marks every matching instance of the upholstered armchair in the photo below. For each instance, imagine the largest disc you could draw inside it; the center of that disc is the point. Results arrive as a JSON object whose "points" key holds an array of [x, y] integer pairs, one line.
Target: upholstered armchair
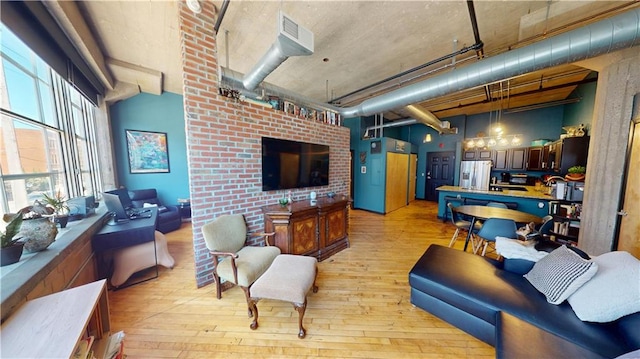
{"points": [[233, 260], [169, 218]]}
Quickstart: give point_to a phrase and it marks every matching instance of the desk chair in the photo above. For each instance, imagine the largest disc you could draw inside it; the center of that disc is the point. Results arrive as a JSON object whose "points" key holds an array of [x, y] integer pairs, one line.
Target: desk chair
{"points": [[496, 227], [460, 223], [546, 226], [233, 260], [497, 205]]}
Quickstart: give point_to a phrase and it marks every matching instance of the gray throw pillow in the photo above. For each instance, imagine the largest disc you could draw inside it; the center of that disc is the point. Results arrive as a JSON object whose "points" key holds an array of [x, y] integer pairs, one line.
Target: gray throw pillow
{"points": [[560, 274]]}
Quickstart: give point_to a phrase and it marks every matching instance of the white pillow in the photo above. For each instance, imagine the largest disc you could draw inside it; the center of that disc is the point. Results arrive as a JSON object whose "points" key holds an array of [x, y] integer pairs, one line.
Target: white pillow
{"points": [[560, 273], [613, 292], [517, 249]]}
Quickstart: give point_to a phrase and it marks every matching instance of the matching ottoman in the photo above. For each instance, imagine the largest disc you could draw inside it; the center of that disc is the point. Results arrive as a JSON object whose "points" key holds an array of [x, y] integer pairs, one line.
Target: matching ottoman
{"points": [[289, 279]]}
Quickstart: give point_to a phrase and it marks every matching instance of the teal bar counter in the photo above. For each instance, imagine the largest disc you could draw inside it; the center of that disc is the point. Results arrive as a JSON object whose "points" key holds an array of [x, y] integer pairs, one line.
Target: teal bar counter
{"points": [[528, 200]]}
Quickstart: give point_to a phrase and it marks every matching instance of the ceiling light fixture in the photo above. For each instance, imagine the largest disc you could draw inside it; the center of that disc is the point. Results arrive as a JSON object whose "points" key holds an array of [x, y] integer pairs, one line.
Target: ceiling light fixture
{"points": [[194, 5]]}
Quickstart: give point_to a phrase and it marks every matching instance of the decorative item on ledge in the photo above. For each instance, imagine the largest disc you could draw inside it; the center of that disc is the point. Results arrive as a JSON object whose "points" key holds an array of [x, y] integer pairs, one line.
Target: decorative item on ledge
{"points": [[493, 141], [293, 109], [576, 173]]}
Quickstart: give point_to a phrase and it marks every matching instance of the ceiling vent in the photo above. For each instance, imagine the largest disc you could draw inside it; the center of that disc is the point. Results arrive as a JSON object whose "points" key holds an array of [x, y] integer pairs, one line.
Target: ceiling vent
{"points": [[293, 40]]}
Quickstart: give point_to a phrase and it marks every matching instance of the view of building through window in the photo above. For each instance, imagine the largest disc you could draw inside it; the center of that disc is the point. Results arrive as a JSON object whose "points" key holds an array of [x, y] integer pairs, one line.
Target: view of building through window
{"points": [[47, 138]]}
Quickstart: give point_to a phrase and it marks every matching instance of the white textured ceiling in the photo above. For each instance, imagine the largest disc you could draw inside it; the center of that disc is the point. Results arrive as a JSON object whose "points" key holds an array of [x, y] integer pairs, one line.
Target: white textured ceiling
{"points": [[364, 41]]}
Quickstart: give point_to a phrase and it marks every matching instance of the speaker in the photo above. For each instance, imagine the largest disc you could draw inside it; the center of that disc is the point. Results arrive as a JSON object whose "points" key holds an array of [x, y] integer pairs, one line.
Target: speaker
{"points": [[81, 207]]}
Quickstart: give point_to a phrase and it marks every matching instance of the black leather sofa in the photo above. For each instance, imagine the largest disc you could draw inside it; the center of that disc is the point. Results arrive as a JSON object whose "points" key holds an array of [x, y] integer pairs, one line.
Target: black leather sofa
{"points": [[169, 218], [504, 310]]}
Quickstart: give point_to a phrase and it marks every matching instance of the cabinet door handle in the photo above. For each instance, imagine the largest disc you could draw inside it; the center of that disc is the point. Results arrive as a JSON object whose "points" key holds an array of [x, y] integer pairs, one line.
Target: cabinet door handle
{"points": [[622, 213]]}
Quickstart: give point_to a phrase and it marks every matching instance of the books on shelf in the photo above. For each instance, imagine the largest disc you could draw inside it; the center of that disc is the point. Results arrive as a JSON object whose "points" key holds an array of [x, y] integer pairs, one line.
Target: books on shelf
{"points": [[83, 349], [308, 113], [115, 346]]}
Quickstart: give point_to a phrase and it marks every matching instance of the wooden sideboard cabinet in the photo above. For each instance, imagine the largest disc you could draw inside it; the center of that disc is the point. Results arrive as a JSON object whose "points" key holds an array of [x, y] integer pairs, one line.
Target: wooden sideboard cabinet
{"points": [[318, 230]]}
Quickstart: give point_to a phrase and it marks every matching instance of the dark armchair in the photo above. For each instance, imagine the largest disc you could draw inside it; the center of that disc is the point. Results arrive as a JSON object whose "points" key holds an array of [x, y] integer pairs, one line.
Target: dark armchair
{"points": [[169, 218]]}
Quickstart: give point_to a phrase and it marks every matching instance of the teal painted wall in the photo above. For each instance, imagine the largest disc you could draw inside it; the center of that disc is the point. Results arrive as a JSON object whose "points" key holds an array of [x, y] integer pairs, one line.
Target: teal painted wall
{"points": [[581, 112], [537, 124], [145, 112]]}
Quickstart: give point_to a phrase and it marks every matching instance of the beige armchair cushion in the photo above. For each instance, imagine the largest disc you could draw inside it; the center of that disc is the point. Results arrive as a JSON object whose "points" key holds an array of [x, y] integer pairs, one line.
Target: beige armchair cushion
{"points": [[251, 263]]}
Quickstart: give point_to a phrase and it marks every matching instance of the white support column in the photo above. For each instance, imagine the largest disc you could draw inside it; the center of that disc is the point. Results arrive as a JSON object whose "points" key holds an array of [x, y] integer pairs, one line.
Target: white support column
{"points": [[618, 83]]}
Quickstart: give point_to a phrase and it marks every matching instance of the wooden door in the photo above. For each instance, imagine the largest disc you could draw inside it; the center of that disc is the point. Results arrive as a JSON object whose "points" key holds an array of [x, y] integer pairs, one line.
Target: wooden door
{"points": [[440, 171], [397, 185], [413, 173], [629, 222], [304, 234]]}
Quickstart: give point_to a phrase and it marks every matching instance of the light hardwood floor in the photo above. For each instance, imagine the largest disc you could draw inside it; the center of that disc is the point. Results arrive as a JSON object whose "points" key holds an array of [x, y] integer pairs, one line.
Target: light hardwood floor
{"points": [[362, 308]]}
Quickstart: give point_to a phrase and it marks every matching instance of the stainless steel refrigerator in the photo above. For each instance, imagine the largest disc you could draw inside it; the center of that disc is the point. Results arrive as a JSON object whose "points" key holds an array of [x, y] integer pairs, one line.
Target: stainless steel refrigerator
{"points": [[475, 175]]}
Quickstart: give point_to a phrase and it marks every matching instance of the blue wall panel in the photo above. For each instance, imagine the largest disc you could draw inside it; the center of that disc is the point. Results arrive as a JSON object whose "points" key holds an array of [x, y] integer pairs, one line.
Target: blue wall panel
{"points": [[145, 112], [581, 112]]}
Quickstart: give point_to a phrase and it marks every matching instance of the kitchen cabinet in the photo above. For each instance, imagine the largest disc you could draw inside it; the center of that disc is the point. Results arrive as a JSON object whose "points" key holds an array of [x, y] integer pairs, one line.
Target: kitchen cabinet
{"points": [[501, 159], [480, 154], [518, 159], [510, 159], [568, 152], [534, 161]]}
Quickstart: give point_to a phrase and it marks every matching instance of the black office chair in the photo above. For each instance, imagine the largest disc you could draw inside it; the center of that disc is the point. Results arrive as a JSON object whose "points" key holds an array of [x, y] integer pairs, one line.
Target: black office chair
{"points": [[464, 225], [496, 227]]}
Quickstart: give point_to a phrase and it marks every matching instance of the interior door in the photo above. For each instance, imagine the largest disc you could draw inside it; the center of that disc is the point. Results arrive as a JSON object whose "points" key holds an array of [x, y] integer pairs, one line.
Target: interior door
{"points": [[629, 220], [397, 185], [440, 171]]}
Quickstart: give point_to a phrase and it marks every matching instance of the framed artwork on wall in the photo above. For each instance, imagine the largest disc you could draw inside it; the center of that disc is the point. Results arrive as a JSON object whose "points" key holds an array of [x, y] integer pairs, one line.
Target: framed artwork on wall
{"points": [[148, 151]]}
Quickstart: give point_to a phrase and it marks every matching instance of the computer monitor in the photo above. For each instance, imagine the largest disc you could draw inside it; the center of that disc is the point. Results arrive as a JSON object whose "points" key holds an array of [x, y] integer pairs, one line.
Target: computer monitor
{"points": [[123, 193], [114, 205]]}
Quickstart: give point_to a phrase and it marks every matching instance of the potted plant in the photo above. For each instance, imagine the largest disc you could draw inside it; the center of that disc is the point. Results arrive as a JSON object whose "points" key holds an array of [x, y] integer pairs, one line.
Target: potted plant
{"points": [[10, 247], [60, 209], [576, 173]]}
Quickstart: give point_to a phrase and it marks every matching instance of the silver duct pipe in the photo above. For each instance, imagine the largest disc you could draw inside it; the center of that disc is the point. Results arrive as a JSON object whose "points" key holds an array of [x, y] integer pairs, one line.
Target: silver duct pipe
{"points": [[429, 119], [282, 49], [234, 80], [602, 37]]}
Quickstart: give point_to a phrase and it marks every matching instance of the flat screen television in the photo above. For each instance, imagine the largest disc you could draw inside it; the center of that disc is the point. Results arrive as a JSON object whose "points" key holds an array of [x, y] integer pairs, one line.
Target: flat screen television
{"points": [[290, 164]]}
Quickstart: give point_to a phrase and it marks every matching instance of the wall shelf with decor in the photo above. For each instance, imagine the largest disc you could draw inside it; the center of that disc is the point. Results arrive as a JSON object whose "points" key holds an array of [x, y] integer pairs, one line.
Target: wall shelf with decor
{"points": [[290, 107]]}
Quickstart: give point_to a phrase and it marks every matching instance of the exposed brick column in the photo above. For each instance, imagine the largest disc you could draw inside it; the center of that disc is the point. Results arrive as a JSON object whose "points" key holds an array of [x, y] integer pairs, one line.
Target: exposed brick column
{"points": [[224, 140]]}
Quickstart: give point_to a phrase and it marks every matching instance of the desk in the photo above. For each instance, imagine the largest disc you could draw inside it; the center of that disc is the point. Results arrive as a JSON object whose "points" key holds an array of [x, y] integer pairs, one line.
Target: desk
{"points": [[484, 212], [126, 234]]}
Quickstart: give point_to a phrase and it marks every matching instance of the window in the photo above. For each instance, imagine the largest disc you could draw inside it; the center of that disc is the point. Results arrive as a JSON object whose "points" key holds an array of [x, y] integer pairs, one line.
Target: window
{"points": [[47, 138]]}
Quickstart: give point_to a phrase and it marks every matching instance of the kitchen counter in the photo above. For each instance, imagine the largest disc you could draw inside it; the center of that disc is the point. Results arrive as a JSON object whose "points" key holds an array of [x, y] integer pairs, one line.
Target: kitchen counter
{"points": [[529, 192], [526, 198]]}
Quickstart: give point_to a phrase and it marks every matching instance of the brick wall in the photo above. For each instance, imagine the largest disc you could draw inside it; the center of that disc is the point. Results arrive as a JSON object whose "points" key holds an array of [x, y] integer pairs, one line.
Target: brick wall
{"points": [[224, 141]]}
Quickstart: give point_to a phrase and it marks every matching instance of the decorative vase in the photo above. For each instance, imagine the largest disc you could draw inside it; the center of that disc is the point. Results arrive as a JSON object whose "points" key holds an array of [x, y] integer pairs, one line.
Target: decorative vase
{"points": [[38, 234], [574, 176], [11, 254], [62, 220]]}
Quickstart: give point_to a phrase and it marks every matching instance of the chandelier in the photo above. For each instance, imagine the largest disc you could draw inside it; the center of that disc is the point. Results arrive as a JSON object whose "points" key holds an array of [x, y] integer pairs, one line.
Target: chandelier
{"points": [[493, 141], [497, 136]]}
